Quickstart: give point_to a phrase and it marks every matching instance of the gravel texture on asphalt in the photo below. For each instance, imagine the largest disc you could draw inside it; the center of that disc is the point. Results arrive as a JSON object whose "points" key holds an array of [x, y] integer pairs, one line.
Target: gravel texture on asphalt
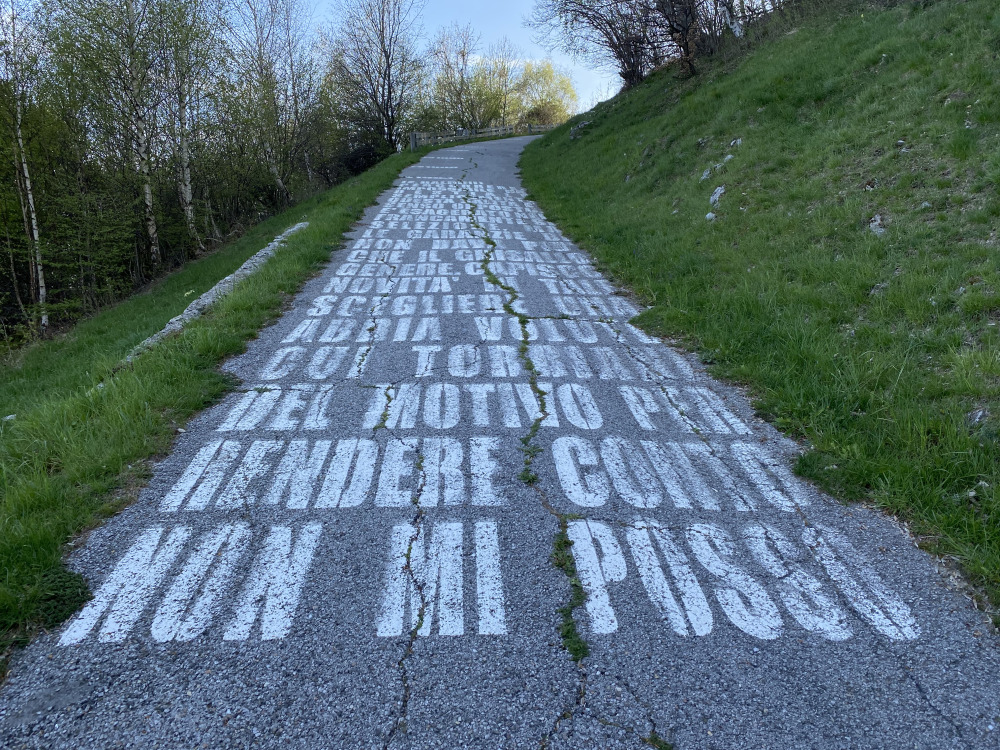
{"points": [[354, 549]]}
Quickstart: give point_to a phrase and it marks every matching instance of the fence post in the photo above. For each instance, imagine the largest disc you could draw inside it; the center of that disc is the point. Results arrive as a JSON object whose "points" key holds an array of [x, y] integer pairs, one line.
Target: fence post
{"points": [[413, 141]]}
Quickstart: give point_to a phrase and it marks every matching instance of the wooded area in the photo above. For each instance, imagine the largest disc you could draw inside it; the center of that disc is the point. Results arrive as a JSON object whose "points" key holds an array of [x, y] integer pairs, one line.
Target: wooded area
{"points": [[136, 134], [634, 37]]}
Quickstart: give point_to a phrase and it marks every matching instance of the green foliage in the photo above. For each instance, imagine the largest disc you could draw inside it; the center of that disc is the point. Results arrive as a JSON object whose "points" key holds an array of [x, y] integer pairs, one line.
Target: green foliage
{"points": [[547, 95], [99, 91], [881, 351], [467, 90], [655, 740], [76, 452], [562, 558]]}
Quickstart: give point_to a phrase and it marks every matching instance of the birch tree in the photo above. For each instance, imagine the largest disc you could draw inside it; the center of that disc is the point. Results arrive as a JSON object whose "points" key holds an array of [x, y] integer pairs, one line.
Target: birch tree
{"points": [[117, 44], [18, 61], [453, 53], [257, 54], [502, 66], [190, 51]]}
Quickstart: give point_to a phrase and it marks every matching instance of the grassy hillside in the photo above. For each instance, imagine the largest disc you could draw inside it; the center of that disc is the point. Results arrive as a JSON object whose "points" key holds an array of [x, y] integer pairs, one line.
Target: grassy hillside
{"points": [[882, 349], [76, 452]]}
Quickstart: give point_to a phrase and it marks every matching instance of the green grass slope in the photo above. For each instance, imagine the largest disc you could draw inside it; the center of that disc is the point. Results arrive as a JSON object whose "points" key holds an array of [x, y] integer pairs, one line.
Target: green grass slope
{"points": [[883, 352], [77, 452]]}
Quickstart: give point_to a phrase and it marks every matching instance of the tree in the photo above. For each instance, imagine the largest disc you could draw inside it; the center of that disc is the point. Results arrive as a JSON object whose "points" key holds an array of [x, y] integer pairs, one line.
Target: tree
{"points": [[117, 46], [256, 51], [190, 52], [453, 54], [547, 95], [18, 60], [681, 19], [502, 68], [622, 33], [131, 131], [469, 90], [375, 66]]}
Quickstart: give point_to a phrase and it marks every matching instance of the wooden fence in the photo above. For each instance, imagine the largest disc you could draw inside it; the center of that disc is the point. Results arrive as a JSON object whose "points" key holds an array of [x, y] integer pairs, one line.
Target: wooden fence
{"points": [[418, 140]]}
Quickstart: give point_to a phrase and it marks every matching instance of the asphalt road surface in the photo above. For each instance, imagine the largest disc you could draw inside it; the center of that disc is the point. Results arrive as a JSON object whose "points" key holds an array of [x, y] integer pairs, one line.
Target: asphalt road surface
{"points": [[355, 549]]}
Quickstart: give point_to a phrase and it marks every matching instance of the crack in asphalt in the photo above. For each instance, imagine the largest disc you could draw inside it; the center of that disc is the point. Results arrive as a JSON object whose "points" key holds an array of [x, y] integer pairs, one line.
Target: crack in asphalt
{"points": [[418, 583], [531, 450], [923, 694], [373, 319], [528, 446]]}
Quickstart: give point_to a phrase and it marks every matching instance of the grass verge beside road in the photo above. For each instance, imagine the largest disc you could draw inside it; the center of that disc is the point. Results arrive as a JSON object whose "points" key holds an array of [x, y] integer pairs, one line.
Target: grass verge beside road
{"points": [[76, 452], [875, 340]]}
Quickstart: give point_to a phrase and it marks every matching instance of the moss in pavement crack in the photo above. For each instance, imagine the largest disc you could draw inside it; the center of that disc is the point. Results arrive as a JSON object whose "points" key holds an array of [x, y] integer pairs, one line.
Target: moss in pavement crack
{"points": [[384, 416], [562, 558], [655, 740], [528, 447], [418, 584]]}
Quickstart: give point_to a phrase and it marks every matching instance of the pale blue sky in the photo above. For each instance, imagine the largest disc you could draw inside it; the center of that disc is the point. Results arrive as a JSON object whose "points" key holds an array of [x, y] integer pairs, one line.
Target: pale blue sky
{"points": [[494, 20]]}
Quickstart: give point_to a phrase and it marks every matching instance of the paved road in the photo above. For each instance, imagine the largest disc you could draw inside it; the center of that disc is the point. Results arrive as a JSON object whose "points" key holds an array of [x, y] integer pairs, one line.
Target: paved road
{"points": [[354, 550]]}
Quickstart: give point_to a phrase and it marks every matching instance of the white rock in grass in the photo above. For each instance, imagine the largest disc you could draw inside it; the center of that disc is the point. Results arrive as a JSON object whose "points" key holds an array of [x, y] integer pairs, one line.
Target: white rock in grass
{"points": [[710, 216], [719, 191], [218, 291], [706, 174], [876, 226]]}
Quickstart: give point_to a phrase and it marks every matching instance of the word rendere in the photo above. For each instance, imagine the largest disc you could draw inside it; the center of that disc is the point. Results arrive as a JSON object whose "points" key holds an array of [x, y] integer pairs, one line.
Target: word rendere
{"points": [[325, 474]]}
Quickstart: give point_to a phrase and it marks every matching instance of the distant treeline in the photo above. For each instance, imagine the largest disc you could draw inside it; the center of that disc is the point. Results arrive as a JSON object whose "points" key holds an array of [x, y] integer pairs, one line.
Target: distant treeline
{"points": [[136, 134]]}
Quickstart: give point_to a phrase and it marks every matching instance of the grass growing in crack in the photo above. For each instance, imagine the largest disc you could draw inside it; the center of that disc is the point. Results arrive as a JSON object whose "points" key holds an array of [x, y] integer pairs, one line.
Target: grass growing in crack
{"points": [[528, 447], [76, 453], [384, 416], [882, 351], [562, 558], [655, 740], [530, 451]]}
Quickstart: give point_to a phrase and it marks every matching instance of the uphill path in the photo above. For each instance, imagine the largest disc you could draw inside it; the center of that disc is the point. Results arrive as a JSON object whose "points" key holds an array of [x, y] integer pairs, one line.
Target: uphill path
{"points": [[459, 501]]}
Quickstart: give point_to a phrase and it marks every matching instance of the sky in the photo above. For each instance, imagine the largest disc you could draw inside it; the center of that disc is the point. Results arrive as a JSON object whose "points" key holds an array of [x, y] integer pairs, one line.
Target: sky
{"points": [[494, 20]]}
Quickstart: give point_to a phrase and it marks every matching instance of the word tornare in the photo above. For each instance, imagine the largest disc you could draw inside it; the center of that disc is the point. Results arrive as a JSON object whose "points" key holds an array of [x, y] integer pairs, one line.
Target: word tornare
{"points": [[458, 334]]}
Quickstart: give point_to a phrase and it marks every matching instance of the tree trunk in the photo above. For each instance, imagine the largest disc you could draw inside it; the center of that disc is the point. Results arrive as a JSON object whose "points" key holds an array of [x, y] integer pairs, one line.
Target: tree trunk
{"points": [[140, 126], [272, 166], [213, 230], [184, 157], [33, 235], [142, 147], [13, 280], [309, 171]]}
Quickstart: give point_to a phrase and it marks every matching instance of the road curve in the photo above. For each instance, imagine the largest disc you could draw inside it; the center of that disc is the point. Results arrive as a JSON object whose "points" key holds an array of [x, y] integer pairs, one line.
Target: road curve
{"points": [[355, 549]]}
